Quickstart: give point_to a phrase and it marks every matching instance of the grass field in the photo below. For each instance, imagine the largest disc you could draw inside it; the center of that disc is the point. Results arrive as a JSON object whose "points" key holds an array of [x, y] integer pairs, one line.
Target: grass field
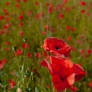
{"points": [[24, 24]]}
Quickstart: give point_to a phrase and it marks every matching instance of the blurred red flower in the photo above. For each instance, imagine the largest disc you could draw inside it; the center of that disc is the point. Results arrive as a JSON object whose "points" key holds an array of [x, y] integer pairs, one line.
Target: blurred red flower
{"points": [[1, 64], [79, 72], [1, 17], [83, 11], [38, 55], [17, 5], [7, 3], [25, 0], [37, 16], [21, 33], [21, 24], [25, 45], [4, 60], [50, 9], [44, 62], [65, 1], [29, 54], [67, 27], [61, 15], [90, 84], [20, 16], [11, 85], [36, 3], [18, 52], [69, 38], [7, 18], [6, 26], [83, 3]]}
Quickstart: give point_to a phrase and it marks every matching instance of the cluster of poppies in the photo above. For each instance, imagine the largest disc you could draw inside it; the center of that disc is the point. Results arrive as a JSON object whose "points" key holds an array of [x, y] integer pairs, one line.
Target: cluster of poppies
{"points": [[63, 71]]}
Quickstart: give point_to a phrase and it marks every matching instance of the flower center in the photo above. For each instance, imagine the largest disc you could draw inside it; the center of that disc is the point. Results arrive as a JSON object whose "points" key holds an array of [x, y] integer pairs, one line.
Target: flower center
{"points": [[56, 47]]}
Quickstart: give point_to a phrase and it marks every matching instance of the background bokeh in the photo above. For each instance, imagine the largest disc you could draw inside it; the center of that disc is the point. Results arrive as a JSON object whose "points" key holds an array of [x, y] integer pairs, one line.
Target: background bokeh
{"points": [[24, 24]]}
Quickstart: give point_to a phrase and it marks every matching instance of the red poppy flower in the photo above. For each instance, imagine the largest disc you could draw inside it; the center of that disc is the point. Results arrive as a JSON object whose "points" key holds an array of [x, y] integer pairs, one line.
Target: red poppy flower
{"points": [[61, 15], [20, 16], [50, 9], [7, 49], [29, 12], [69, 38], [89, 51], [18, 52], [90, 84], [44, 63], [36, 2], [58, 83], [41, 13], [4, 60], [21, 24], [73, 29], [65, 1], [45, 53], [46, 26], [17, 0], [56, 46], [7, 3], [83, 3], [62, 71], [29, 54], [79, 71], [1, 17], [11, 84], [25, 45], [7, 18], [17, 5], [37, 16], [62, 66], [25, 0], [47, 3], [38, 55], [53, 29], [74, 88], [5, 10], [22, 12], [44, 32], [21, 33], [83, 11], [6, 26], [2, 31], [67, 27], [1, 64]]}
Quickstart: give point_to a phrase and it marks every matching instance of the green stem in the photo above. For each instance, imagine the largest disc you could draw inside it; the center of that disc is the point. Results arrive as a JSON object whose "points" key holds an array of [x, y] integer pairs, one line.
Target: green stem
{"points": [[65, 90]]}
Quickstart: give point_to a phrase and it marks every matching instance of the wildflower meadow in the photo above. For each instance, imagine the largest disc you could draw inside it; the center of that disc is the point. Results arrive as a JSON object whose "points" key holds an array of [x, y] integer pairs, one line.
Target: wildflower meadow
{"points": [[45, 45]]}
